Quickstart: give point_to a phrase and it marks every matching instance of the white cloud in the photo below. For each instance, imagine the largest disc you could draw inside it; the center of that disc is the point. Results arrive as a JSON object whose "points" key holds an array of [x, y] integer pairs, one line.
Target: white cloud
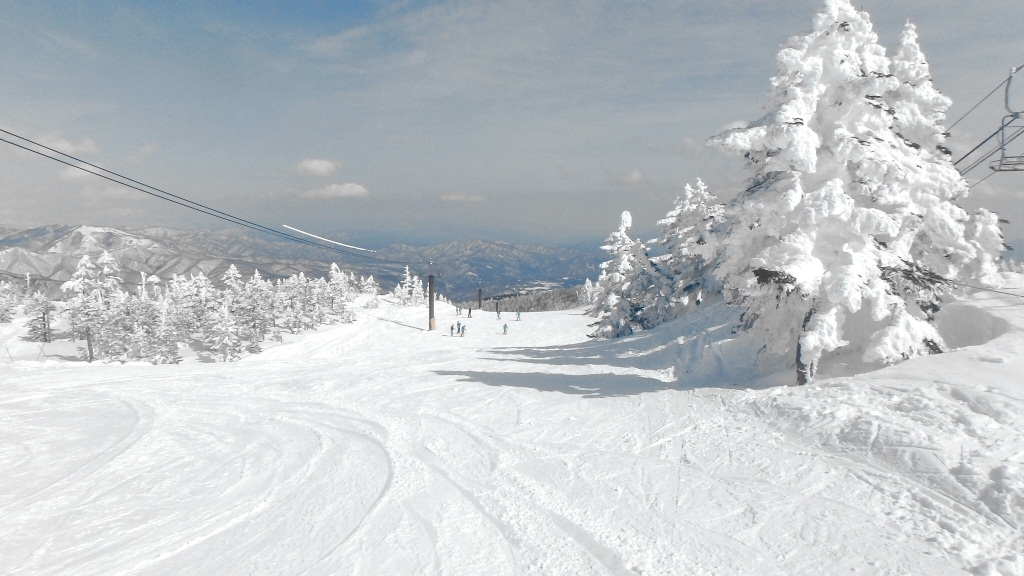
{"points": [[634, 176], [316, 167], [77, 45], [346, 190], [66, 146], [462, 198], [338, 45]]}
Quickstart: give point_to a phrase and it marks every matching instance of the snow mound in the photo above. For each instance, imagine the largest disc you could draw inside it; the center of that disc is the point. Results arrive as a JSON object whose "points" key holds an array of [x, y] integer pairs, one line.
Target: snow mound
{"points": [[963, 324]]}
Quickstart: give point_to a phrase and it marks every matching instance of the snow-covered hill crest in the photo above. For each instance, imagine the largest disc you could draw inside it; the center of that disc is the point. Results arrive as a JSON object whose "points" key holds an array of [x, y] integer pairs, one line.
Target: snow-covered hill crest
{"points": [[381, 446]]}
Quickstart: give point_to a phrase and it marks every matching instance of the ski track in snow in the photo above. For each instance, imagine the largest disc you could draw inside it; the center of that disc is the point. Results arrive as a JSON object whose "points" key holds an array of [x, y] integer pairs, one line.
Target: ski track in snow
{"points": [[380, 448]]}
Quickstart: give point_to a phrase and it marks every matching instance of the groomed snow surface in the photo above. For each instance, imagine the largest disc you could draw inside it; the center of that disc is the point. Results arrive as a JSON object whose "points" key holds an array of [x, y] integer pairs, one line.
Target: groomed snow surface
{"points": [[381, 448]]}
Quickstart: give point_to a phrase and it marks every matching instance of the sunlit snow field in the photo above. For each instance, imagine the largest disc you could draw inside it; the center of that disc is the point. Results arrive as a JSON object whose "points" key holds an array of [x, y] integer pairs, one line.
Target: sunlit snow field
{"points": [[381, 448]]}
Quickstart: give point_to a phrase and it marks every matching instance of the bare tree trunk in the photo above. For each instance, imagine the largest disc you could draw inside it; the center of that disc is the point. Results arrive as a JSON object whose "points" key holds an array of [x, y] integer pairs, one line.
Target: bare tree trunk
{"points": [[804, 372]]}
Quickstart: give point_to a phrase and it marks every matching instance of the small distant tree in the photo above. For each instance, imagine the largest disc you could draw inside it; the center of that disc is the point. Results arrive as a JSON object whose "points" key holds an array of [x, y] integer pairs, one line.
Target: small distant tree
{"points": [[369, 286], [9, 298], [85, 307], [39, 310], [628, 285], [222, 333]]}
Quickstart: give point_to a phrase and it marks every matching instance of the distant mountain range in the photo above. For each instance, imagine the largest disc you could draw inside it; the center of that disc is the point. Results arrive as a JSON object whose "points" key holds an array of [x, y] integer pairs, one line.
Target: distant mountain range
{"points": [[50, 254]]}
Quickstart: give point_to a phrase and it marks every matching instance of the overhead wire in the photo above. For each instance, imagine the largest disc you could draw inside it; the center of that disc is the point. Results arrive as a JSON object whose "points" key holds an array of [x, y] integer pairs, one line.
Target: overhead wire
{"points": [[176, 199], [990, 174], [993, 151], [979, 102]]}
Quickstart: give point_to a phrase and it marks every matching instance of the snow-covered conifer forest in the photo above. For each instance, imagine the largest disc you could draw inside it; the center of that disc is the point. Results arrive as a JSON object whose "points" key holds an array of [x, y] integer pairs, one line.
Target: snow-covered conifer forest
{"points": [[819, 374]]}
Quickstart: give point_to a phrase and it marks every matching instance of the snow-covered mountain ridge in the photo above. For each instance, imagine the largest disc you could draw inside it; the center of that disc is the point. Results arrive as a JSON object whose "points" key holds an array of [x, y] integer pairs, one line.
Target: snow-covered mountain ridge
{"points": [[49, 254]]}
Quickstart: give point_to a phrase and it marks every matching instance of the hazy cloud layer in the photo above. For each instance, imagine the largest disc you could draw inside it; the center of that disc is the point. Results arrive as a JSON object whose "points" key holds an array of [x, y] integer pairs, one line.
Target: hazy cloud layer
{"points": [[462, 198], [346, 190]]}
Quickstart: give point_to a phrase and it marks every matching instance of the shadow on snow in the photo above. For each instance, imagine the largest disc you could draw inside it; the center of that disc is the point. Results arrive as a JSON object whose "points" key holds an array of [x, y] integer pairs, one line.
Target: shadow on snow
{"points": [[700, 350]]}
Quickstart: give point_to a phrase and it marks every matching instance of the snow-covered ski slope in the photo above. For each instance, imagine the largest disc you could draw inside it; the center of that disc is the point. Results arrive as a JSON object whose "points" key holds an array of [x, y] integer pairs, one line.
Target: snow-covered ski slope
{"points": [[381, 448]]}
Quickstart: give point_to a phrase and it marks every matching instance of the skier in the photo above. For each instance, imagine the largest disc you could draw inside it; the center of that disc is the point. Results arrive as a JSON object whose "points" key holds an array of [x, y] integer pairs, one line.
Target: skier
{"points": [[463, 332], [470, 315], [458, 326], [505, 328], [451, 331], [499, 314], [519, 316]]}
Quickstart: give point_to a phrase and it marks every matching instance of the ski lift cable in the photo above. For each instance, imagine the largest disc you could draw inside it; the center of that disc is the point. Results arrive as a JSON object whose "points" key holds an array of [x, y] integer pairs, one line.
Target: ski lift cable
{"points": [[326, 240], [204, 209], [175, 199], [227, 218], [979, 103], [1000, 85], [990, 174], [973, 150], [993, 152]]}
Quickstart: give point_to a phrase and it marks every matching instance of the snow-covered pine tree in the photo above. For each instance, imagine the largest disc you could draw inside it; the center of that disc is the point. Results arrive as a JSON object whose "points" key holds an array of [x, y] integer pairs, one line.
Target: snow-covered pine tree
{"points": [[588, 295], [163, 347], [221, 335], [369, 286], [9, 297], [39, 310], [690, 236], [627, 286], [404, 290], [340, 291], [85, 307], [417, 295], [232, 280], [258, 320], [844, 208]]}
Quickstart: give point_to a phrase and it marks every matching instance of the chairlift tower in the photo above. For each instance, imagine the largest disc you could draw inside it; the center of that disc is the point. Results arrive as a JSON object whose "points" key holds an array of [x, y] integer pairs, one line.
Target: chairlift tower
{"points": [[431, 321]]}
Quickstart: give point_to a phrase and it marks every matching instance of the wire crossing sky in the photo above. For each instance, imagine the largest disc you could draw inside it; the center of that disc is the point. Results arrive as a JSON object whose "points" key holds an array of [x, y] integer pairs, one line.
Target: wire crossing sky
{"points": [[375, 122]]}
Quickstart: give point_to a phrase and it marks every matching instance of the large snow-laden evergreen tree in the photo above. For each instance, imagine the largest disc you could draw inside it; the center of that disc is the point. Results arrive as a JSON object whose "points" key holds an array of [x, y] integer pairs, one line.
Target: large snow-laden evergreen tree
{"points": [[849, 227], [691, 238]]}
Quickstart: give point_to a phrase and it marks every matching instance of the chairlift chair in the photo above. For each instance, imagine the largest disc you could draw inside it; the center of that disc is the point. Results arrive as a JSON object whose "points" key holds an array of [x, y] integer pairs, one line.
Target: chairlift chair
{"points": [[1011, 128]]}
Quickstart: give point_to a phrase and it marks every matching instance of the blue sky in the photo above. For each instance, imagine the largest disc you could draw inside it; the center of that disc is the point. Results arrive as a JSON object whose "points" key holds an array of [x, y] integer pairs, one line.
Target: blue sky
{"points": [[421, 122]]}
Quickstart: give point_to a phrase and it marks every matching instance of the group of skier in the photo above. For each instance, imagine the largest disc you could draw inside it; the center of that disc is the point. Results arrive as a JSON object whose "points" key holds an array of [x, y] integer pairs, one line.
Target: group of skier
{"points": [[460, 328]]}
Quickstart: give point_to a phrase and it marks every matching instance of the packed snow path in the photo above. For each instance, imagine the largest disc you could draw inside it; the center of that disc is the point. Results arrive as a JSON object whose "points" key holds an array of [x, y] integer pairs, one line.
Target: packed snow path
{"points": [[381, 448]]}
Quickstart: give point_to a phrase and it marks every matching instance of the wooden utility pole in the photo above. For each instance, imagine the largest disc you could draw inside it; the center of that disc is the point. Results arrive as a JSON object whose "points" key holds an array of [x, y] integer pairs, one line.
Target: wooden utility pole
{"points": [[430, 300]]}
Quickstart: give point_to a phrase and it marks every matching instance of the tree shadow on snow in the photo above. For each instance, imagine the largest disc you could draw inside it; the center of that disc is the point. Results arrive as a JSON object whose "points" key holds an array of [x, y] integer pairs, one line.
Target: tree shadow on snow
{"points": [[702, 350], [587, 386]]}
